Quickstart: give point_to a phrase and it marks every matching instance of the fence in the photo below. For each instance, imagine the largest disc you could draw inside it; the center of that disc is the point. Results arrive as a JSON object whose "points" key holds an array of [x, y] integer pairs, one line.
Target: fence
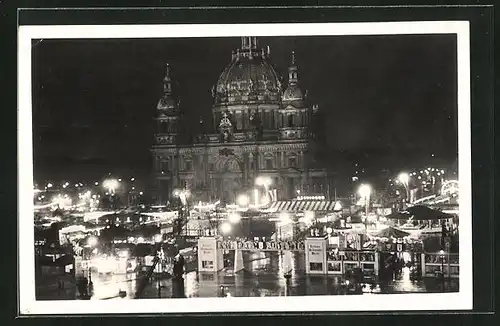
{"points": [[436, 264], [340, 262]]}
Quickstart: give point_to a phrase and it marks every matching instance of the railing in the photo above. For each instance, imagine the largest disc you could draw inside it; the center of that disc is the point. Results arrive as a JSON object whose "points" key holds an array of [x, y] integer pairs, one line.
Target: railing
{"points": [[441, 265], [341, 263]]}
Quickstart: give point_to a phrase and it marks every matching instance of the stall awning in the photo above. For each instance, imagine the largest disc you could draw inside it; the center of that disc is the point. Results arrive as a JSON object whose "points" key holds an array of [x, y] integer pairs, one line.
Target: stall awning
{"points": [[305, 205], [419, 213]]}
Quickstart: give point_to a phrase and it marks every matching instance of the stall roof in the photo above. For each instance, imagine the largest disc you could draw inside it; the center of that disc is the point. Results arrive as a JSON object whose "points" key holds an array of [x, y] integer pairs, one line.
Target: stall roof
{"points": [[392, 232], [419, 213], [305, 205]]}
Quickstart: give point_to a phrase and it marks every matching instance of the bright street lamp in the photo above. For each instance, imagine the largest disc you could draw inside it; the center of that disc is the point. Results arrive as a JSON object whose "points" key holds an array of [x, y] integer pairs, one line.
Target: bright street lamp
{"points": [[182, 195], [226, 228], [110, 185], [365, 191], [242, 200], [263, 181], [92, 241], [234, 218]]}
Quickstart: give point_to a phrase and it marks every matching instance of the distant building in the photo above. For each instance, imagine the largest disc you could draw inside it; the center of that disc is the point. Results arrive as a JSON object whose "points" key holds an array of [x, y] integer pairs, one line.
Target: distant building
{"points": [[260, 128]]}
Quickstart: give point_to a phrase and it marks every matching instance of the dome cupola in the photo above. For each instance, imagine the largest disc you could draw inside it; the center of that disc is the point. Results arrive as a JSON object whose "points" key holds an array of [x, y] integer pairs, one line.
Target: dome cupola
{"points": [[168, 103], [248, 91], [249, 77], [293, 93]]}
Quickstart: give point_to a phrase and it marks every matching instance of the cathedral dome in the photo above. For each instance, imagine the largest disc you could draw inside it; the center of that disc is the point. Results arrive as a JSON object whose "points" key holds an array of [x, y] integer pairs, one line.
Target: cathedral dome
{"points": [[249, 77]]}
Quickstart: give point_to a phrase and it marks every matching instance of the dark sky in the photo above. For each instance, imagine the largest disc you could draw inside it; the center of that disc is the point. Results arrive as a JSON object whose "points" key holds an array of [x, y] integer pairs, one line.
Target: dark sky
{"points": [[388, 101]]}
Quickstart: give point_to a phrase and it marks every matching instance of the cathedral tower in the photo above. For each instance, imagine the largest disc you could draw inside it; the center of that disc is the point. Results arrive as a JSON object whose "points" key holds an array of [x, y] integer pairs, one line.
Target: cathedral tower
{"points": [[168, 115]]}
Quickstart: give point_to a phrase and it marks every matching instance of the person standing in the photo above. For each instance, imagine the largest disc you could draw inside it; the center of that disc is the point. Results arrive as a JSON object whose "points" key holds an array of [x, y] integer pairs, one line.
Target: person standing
{"points": [[177, 279]]}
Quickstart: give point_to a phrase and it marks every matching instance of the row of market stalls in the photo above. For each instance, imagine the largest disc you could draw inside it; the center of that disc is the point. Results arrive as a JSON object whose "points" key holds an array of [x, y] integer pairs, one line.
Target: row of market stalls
{"points": [[425, 220], [406, 237]]}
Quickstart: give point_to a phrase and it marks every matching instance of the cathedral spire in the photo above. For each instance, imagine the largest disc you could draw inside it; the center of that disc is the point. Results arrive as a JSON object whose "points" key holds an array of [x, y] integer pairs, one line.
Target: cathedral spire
{"points": [[293, 71], [168, 113], [168, 101], [167, 81]]}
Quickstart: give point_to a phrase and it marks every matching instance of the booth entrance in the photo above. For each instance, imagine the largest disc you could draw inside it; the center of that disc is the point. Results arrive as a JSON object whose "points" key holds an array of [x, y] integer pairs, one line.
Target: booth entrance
{"points": [[319, 259], [394, 257], [211, 252]]}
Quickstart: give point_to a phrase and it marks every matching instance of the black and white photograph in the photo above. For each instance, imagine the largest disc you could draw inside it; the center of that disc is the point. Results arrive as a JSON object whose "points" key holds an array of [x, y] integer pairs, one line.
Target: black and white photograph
{"points": [[257, 167]]}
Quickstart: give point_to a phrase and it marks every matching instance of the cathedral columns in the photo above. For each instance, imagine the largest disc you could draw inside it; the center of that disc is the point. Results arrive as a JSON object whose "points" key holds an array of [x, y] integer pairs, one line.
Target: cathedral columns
{"points": [[246, 169], [206, 164]]}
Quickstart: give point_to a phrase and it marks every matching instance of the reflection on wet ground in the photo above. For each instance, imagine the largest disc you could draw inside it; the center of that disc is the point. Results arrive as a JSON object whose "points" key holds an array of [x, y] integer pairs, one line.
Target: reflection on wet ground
{"points": [[263, 277]]}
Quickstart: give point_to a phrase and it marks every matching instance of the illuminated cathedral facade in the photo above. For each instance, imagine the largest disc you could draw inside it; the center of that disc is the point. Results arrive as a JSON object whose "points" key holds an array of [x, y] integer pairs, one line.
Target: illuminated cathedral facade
{"points": [[260, 128]]}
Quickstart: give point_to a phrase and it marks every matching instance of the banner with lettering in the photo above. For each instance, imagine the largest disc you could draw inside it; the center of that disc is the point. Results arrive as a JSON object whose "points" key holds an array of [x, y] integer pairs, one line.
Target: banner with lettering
{"points": [[261, 245]]}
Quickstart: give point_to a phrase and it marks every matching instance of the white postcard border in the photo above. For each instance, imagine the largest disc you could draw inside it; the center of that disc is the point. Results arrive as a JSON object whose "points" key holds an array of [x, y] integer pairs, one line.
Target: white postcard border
{"points": [[461, 300]]}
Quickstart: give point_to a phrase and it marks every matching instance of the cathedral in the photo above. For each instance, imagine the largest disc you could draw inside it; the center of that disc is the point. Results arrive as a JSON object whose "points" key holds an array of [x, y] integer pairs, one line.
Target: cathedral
{"points": [[260, 128]]}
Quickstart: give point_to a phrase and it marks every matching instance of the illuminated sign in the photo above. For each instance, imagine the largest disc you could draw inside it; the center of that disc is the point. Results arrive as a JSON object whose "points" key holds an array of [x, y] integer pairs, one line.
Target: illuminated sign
{"points": [[262, 246]]}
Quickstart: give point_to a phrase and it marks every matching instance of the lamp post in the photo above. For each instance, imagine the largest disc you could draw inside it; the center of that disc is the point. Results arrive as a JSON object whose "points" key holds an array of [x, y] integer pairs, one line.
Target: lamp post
{"points": [[265, 182], [365, 192], [441, 255], [404, 178], [287, 275], [243, 201], [111, 185], [183, 195], [284, 219], [234, 219], [226, 228], [92, 243]]}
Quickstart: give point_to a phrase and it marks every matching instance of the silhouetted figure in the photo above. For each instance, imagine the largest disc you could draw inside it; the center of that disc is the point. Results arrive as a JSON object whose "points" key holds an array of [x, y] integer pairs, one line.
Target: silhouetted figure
{"points": [[91, 288], [178, 287], [121, 293], [82, 287], [178, 269]]}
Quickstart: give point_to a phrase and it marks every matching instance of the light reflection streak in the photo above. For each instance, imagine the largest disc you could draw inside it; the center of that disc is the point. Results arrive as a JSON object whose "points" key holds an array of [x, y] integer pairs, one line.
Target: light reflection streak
{"points": [[191, 285], [107, 286]]}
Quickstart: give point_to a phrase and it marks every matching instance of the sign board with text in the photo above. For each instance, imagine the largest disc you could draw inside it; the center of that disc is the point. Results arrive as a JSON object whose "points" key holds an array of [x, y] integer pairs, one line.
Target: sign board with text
{"points": [[316, 256], [210, 258], [261, 245]]}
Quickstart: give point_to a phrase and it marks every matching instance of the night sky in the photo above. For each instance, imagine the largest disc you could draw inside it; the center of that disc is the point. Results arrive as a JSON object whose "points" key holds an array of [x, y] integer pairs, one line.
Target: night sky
{"points": [[388, 101]]}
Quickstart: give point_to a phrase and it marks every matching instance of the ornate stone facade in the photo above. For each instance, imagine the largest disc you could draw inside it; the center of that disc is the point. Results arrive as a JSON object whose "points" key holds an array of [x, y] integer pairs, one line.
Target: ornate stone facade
{"points": [[260, 128]]}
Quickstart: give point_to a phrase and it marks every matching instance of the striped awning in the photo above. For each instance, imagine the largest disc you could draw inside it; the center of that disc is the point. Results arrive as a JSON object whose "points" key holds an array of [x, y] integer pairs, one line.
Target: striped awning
{"points": [[305, 205]]}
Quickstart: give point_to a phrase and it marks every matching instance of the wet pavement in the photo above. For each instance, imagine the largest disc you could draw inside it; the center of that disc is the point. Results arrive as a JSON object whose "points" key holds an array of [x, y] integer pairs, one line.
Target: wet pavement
{"points": [[262, 276], [248, 285]]}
